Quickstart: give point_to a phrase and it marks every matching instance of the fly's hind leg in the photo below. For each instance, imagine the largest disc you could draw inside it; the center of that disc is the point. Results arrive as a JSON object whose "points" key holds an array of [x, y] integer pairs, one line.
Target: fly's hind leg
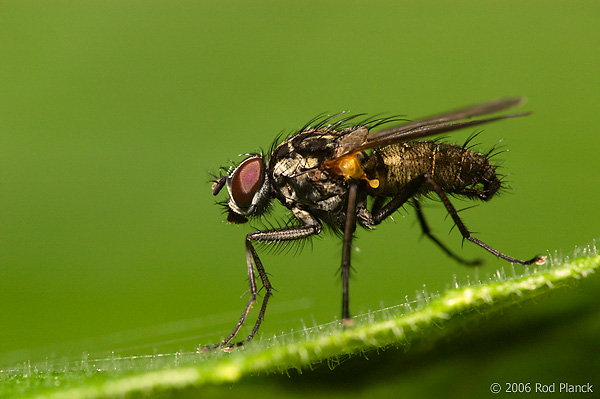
{"points": [[410, 190], [427, 232], [467, 234]]}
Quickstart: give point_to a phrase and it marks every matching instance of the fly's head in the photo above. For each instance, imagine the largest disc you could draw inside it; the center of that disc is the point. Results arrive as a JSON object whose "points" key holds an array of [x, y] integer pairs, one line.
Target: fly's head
{"points": [[249, 189]]}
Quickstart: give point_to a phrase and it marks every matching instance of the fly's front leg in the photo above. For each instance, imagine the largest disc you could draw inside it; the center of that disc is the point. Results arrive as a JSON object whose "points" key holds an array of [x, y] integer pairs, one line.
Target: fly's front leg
{"points": [[310, 227], [251, 260]]}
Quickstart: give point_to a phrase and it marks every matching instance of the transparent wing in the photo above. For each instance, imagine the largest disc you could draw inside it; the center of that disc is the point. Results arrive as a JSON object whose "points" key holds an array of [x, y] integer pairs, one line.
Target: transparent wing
{"points": [[441, 123], [456, 115]]}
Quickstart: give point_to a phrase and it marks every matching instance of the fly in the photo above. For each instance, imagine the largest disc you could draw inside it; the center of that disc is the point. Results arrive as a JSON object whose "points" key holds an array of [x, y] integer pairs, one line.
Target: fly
{"points": [[325, 173]]}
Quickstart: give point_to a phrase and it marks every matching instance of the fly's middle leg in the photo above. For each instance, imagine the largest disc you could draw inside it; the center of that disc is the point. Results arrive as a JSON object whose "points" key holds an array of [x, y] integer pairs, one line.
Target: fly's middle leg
{"points": [[349, 228]]}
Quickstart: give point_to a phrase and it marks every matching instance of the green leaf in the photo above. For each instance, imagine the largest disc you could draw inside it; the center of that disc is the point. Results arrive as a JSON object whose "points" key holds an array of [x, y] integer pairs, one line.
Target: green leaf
{"points": [[415, 326]]}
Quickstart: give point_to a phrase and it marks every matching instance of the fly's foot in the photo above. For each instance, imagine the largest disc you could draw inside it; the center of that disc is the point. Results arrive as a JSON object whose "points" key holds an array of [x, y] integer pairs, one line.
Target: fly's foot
{"points": [[347, 322], [539, 260], [225, 347]]}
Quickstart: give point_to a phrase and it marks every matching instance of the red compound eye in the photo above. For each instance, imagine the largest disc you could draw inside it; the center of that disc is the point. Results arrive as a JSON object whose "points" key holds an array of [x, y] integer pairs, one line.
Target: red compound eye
{"points": [[246, 181]]}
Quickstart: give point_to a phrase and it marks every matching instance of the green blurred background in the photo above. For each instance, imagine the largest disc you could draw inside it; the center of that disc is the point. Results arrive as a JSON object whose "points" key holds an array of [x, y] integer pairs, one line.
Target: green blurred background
{"points": [[112, 115]]}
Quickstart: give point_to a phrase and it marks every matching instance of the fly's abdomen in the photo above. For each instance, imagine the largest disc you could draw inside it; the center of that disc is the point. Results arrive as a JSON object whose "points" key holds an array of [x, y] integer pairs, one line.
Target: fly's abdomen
{"points": [[456, 169]]}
